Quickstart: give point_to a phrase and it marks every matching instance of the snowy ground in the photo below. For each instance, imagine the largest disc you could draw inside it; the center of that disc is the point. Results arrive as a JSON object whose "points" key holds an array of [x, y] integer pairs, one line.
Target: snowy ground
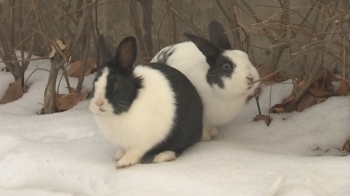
{"points": [[64, 154]]}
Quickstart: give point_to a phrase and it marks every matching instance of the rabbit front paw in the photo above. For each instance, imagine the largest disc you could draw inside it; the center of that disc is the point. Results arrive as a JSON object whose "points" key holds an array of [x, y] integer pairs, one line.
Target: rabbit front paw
{"points": [[209, 133], [129, 158], [164, 157]]}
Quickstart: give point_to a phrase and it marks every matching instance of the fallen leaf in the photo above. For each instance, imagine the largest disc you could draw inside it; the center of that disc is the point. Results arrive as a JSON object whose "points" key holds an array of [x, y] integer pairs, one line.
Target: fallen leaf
{"points": [[344, 87], [260, 117], [281, 107], [278, 108], [67, 101], [266, 118], [321, 99], [320, 93], [306, 101], [74, 70], [13, 93]]}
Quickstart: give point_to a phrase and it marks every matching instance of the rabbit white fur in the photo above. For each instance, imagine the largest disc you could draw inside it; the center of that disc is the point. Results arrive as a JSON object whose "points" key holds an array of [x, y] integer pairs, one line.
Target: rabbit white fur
{"points": [[149, 121], [224, 98]]}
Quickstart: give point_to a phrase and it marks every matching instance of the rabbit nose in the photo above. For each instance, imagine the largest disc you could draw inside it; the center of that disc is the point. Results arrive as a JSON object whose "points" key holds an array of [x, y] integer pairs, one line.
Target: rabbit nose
{"points": [[99, 102]]}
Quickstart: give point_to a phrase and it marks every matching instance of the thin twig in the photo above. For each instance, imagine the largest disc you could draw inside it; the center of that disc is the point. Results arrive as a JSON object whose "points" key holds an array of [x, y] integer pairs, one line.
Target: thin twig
{"points": [[42, 69], [257, 102], [188, 23], [64, 68], [270, 103], [162, 23]]}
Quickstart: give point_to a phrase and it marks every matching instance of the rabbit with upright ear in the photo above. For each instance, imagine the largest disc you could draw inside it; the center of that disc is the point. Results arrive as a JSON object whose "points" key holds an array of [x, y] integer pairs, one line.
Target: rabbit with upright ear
{"points": [[149, 109], [224, 77]]}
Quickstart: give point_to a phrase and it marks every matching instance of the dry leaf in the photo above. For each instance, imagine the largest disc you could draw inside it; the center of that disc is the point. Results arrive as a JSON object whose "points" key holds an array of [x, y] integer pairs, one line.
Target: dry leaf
{"points": [[289, 98], [52, 53], [306, 101], [301, 81], [278, 108], [60, 44], [260, 117], [266, 118], [321, 99], [53, 49], [67, 101], [317, 92], [344, 87], [281, 107], [320, 93], [13, 93], [264, 71], [74, 70]]}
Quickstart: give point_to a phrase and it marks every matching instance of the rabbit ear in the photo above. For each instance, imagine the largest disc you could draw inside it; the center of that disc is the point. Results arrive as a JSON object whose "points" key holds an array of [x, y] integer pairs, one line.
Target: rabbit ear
{"points": [[126, 53], [218, 36], [102, 46], [209, 50]]}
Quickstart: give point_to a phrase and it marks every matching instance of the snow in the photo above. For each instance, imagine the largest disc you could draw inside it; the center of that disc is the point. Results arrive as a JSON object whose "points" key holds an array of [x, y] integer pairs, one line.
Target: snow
{"points": [[64, 154]]}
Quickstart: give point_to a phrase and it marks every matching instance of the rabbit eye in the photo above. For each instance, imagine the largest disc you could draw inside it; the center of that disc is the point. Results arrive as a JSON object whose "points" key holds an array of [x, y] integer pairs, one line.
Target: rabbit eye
{"points": [[116, 86], [226, 66]]}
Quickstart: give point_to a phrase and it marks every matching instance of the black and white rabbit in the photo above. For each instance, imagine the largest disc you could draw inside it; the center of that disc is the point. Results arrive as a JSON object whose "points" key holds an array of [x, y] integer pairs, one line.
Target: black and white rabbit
{"points": [[223, 77], [149, 109]]}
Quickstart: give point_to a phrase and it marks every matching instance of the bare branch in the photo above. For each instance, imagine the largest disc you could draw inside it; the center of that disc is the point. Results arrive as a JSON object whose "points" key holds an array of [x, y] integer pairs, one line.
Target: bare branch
{"points": [[187, 22], [147, 27]]}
